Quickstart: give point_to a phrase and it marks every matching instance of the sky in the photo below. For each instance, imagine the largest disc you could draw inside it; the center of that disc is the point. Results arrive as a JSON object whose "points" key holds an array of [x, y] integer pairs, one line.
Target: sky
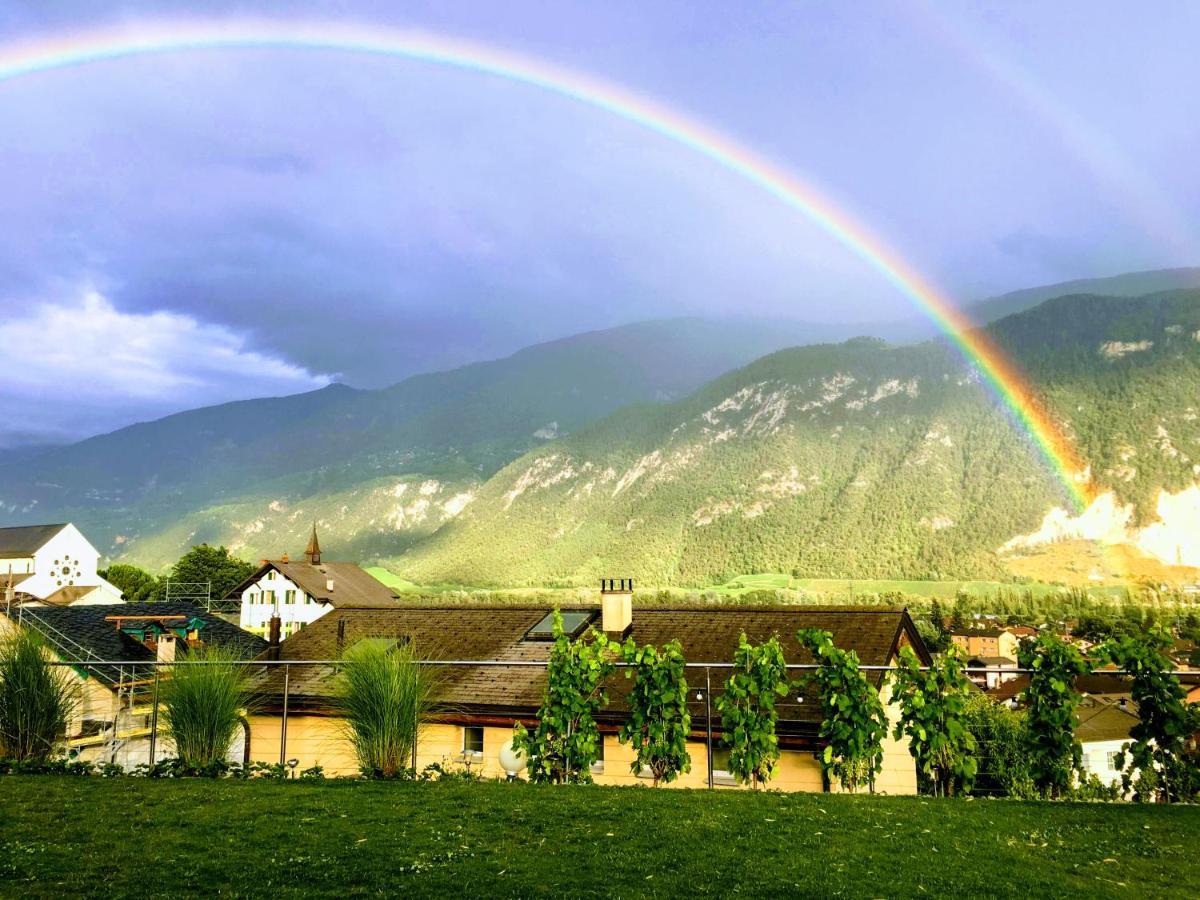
{"points": [[202, 226]]}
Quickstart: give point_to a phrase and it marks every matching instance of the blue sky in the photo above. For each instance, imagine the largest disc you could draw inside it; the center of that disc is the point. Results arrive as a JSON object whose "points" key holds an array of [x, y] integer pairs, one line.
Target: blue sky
{"points": [[204, 226]]}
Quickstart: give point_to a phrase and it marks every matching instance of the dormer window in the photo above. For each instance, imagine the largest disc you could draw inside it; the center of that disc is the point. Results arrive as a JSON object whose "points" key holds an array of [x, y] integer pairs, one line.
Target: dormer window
{"points": [[574, 623]]}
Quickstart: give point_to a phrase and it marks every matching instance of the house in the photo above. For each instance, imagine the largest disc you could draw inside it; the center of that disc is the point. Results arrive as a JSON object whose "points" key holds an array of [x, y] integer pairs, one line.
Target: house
{"points": [[997, 670], [112, 720], [300, 592], [478, 704], [987, 641], [1104, 726], [51, 565]]}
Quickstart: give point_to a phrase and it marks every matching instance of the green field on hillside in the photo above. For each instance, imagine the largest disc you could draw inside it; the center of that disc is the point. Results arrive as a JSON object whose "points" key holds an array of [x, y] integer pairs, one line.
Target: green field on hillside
{"points": [[171, 838], [833, 589]]}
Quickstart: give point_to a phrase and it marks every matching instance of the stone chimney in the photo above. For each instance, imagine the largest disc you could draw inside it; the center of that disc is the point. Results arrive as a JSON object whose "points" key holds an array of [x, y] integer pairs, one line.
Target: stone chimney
{"points": [[616, 606], [164, 650], [273, 630]]}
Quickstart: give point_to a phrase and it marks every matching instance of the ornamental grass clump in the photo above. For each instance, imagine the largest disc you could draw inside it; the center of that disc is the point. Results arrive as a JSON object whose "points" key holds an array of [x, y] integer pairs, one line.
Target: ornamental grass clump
{"points": [[386, 694], [36, 700], [203, 705]]}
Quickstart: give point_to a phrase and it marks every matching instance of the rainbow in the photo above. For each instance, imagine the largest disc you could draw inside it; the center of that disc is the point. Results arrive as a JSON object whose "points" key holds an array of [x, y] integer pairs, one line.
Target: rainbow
{"points": [[22, 59]]}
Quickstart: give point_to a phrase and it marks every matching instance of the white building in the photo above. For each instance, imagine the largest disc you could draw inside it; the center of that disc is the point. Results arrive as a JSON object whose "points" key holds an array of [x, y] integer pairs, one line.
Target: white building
{"points": [[302, 591], [52, 565], [1104, 726]]}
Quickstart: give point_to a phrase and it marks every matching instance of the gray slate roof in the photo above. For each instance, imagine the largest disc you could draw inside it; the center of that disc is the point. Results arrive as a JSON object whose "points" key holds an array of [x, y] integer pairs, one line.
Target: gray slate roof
{"points": [[25, 540], [353, 587], [77, 632]]}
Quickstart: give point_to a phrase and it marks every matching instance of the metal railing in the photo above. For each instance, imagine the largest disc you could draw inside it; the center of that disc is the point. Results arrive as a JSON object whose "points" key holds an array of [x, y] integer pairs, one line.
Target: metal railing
{"points": [[700, 697]]}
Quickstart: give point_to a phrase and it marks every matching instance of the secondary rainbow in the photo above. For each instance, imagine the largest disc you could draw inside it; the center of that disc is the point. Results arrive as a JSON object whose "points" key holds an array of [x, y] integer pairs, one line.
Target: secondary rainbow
{"points": [[46, 54]]}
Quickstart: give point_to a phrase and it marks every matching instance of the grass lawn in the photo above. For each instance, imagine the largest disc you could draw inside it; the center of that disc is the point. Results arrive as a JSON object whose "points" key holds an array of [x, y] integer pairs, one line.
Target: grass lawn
{"points": [[126, 837]]}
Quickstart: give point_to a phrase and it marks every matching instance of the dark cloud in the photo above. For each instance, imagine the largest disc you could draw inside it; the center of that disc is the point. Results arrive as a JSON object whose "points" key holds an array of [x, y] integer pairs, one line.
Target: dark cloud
{"points": [[372, 218]]}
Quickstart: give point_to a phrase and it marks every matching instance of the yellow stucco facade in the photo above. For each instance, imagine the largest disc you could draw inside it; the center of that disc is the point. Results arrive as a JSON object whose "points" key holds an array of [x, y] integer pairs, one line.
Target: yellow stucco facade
{"points": [[321, 740]]}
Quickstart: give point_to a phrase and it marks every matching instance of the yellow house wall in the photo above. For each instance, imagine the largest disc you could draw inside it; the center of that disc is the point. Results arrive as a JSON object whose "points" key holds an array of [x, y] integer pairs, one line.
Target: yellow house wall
{"points": [[321, 740]]}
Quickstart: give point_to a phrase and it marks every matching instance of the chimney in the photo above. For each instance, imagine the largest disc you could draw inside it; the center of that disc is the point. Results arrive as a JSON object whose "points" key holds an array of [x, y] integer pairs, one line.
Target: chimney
{"points": [[329, 585], [273, 629], [341, 637], [616, 606], [164, 651]]}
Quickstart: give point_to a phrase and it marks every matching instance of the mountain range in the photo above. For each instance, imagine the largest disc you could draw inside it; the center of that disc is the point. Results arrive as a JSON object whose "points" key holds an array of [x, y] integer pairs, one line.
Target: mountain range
{"points": [[676, 452]]}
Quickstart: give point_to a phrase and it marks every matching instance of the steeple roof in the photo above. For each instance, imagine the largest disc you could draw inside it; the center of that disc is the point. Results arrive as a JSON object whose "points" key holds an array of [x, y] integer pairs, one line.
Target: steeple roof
{"points": [[313, 550]]}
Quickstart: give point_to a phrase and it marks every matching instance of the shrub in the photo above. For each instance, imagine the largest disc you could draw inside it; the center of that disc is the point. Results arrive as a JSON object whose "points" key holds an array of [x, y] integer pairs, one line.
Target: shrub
{"points": [[659, 722], [565, 743], [1002, 768], [202, 706], [932, 704], [386, 694], [37, 700], [852, 717], [748, 714]]}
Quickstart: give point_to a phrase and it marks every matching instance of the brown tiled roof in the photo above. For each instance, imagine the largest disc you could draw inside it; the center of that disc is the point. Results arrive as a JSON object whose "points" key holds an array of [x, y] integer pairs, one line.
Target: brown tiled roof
{"points": [[1099, 684], [1105, 720], [353, 587], [477, 633]]}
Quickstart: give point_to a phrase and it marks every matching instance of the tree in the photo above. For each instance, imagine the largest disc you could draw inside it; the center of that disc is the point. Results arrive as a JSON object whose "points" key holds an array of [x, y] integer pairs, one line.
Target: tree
{"points": [[852, 718], [1159, 752], [659, 722], [1051, 700], [136, 585], [747, 707], [937, 618], [932, 713], [215, 565], [564, 745]]}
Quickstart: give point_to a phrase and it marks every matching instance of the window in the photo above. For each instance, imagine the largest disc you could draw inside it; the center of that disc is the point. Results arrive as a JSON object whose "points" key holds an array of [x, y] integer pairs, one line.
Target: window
{"points": [[473, 740], [289, 597], [720, 766], [574, 623], [1111, 759], [598, 765], [271, 575], [307, 599], [269, 598]]}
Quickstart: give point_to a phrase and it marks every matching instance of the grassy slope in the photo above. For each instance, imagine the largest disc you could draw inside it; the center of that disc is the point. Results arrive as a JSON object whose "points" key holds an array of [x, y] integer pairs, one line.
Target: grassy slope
{"points": [[516, 840]]}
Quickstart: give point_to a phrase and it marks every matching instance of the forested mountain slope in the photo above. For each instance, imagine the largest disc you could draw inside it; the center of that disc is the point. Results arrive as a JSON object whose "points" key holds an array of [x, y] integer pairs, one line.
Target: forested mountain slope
{"points": [[856, 459], [378, 467]]}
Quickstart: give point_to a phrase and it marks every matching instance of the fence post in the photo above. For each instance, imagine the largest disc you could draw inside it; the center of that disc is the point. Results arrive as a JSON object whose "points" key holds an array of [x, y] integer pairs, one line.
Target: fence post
{"points": [[283, 725], [154, 716], [708, 719]]}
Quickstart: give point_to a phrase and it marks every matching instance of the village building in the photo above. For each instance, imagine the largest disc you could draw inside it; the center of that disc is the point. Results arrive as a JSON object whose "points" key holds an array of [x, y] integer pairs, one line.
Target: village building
{"points": [[479, 704], [51, 565], [986, 642], [1104, 726], [300, 592], [113, 719]]}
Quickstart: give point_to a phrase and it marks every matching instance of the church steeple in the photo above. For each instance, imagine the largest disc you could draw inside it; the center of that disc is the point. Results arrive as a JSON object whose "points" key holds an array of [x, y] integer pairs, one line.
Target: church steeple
{"points": [[313, 551]]}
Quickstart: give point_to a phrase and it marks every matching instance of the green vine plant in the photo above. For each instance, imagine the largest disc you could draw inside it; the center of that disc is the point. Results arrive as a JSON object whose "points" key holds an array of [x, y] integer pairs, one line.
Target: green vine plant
{"points": [[852, 718], [747, 707], [1051, 701], [1159, 764], [933, 711], [566, 742], [659, 722]]}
